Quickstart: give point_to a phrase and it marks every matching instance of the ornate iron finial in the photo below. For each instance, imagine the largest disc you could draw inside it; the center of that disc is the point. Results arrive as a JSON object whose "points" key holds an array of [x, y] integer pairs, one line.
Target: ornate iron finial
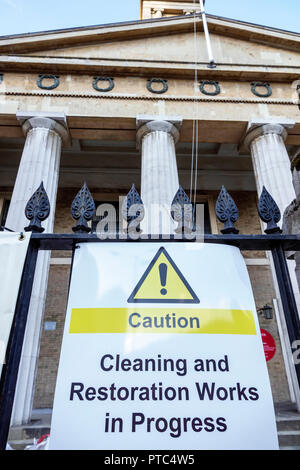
{"points": [[182, 212], [83, 210], [133, 210], [37, 210], [227, 212], [269, 212]]}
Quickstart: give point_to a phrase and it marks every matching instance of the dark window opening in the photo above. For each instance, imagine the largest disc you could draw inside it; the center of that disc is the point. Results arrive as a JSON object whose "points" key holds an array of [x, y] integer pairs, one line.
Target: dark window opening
{"points": [[4, 212], [207, 225]]}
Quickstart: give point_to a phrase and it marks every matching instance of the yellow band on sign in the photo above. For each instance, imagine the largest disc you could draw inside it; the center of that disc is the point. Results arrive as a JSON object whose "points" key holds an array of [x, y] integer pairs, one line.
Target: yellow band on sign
{"points": [[161, 320]]}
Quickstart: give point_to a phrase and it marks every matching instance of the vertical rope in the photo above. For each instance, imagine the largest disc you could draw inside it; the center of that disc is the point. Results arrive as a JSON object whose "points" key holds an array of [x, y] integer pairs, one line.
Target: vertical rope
{"points": [[196, 164], [192, 165], [195, 138]]}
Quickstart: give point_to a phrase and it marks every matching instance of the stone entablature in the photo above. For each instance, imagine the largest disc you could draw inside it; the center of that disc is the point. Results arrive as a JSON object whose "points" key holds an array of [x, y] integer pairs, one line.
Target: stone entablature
{"points": [[102, 84], [77, 96]]}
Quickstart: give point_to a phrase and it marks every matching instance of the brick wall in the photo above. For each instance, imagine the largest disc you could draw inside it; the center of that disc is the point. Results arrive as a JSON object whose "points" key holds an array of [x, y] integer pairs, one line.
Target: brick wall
{"points": [[262, 285], [51, 340]]}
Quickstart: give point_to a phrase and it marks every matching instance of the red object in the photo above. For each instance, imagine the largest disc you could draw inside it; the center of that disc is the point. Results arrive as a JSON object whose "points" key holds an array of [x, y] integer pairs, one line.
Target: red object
{"points": [[268, 344], [44, 436]]}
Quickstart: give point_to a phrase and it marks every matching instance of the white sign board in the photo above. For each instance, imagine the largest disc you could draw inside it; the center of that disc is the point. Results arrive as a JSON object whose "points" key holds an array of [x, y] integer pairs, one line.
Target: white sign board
{"points": [[162, 350], [13, 250]]}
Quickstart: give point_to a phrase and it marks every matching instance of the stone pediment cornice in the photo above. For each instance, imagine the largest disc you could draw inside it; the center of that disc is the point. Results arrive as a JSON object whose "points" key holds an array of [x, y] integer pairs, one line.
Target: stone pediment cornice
{"points": [[147, 68], [48, 40]]}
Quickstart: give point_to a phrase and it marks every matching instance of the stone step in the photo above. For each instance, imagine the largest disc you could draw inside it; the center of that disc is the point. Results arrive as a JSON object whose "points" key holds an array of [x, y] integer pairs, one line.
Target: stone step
{"points": [[290, 448], [20, 444], [30, 432], [289, 439], [288, 424], [286, 442]]}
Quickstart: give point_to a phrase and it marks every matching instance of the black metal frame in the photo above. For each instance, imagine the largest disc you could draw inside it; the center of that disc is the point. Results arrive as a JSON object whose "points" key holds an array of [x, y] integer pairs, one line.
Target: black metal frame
{"points": [[227, 213]]}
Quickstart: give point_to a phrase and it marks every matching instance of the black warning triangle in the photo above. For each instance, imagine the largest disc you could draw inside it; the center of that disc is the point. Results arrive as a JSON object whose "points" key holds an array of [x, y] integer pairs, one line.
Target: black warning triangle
{"points": [[163, 282]]}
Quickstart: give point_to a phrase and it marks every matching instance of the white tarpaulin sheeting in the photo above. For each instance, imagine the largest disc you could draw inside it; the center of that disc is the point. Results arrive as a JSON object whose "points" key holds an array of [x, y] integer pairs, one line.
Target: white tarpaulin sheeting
{"points": [[13, 249]]}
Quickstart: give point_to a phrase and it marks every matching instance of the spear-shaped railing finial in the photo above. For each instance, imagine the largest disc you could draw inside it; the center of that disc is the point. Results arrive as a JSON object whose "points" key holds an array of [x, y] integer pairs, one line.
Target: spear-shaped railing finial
{"points": [[269, 212], [227, 212], [83, 210], [37, 210]]}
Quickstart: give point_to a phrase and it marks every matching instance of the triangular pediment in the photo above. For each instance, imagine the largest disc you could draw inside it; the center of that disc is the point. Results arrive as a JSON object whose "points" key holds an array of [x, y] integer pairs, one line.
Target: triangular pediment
{"points": [[181, 47], [143, 30], [152, 42]]}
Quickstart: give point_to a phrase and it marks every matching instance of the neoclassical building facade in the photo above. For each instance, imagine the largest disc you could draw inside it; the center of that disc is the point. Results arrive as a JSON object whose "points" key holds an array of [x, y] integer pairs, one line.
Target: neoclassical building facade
{"points": [[137, 103]]}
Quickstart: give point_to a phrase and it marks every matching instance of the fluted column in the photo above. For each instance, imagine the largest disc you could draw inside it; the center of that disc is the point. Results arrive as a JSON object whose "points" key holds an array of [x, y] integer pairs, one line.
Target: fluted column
{"points": [[272, 168], [45, 134], [271, 161], [291, 218], [295, 167], [40, 162], [157, 139]]}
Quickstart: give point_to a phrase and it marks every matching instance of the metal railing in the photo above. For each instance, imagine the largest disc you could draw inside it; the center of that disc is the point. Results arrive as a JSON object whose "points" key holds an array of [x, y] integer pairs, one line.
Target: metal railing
{"points": [[182, 212]]}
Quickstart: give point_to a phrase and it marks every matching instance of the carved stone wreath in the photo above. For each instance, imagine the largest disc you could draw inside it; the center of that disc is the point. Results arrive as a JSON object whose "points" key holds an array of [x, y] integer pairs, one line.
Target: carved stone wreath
{"points": [[110, 81], [41, 78], [157, 80], [260, 89], [203, 84], [255, 85]]}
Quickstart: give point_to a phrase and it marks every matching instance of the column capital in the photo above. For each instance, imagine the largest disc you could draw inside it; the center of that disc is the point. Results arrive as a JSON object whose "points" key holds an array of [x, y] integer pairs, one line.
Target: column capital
{"points": [[295, 167], [56, 122], [146, 124], [260, 127]]}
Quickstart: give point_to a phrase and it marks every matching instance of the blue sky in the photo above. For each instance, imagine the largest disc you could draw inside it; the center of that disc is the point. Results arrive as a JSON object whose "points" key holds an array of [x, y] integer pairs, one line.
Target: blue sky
{"points": [[23, 16]]}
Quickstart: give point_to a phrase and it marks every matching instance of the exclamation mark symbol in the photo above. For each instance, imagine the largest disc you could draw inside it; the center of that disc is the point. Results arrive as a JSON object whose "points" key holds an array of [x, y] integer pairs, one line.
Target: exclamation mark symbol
{"points": [[163, 268]]}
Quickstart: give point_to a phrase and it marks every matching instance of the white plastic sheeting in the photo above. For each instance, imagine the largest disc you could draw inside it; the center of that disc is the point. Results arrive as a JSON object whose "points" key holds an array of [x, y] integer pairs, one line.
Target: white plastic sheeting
{"points": [[13, 249]]}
